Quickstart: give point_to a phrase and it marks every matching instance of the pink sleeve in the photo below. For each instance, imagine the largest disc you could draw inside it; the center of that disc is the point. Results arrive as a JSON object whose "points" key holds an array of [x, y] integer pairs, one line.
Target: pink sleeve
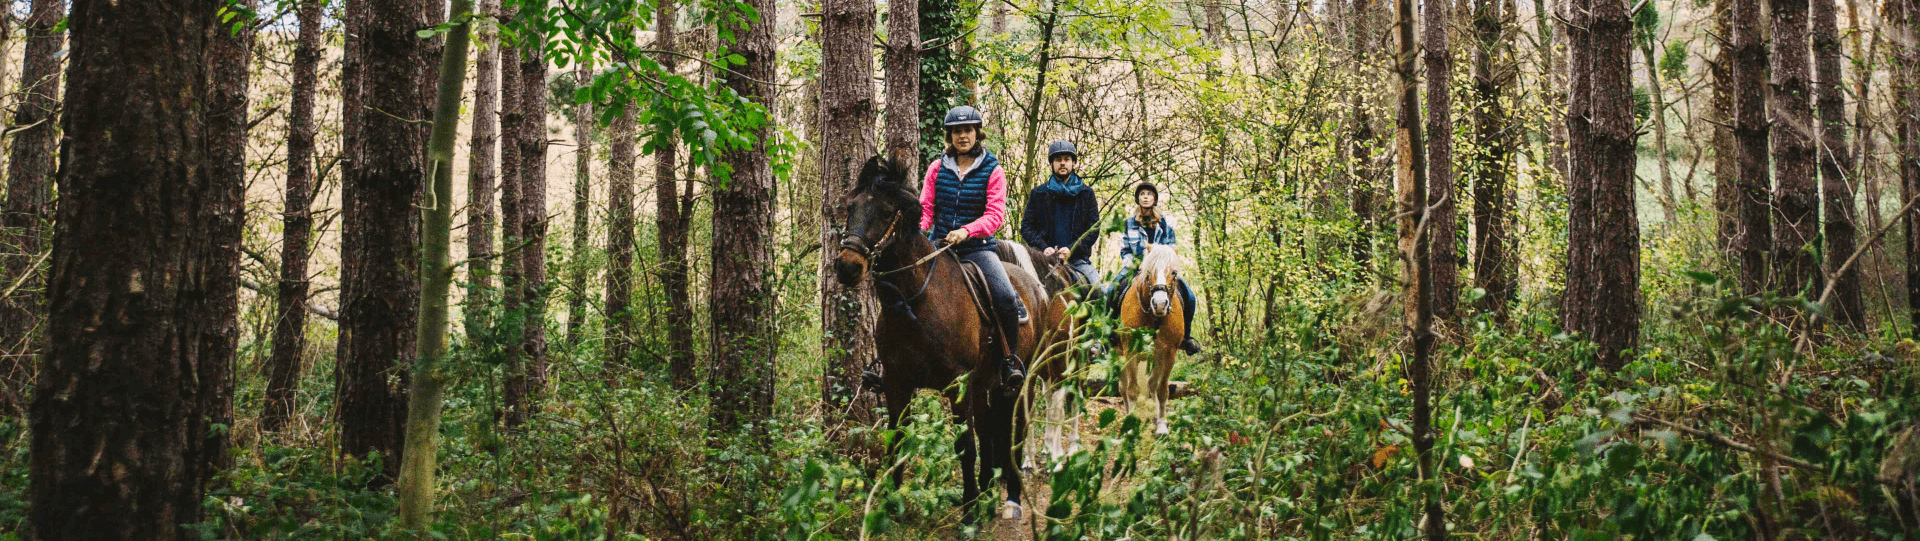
{"points": [[926, 197], [996, 213]]}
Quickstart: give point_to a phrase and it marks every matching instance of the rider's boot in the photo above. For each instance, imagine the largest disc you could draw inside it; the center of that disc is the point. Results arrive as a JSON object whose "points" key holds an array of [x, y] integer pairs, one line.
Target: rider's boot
{"points": [[1191, 346], [1014, 372]]}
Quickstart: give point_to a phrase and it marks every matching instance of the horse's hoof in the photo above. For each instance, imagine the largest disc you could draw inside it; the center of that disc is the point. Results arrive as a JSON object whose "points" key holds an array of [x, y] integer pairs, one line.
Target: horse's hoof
{"points": [[1010, 510], [1160, 426]]}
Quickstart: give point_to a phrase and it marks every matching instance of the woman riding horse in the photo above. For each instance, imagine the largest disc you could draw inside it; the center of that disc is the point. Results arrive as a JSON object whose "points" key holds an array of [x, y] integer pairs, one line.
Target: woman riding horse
{"points": [[1145, 228], [965, 195], [930, 332]]}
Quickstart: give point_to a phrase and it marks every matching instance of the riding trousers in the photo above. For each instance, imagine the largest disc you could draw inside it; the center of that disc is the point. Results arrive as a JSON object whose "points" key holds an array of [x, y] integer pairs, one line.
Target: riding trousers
{"points": [[1005, 299], [1085, 269]]}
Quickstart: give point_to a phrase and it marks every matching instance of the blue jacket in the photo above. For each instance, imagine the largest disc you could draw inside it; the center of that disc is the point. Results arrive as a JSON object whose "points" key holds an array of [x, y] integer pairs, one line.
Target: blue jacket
{"points": [[974, 200], [1062, 214]]}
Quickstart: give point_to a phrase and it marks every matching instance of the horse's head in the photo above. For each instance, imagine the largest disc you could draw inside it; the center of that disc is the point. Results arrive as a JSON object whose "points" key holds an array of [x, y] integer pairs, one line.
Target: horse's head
{"points": [[1159, 273], [882, 209]]}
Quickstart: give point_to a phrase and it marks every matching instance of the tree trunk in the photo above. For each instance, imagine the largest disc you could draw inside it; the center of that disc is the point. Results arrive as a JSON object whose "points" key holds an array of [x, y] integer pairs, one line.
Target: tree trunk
{"points": [[1445, 266], [1796, 197], [381, 229], [1727, 198], [903, 82], [1492, 269], [1907, 107], [620, 238], [1863, 170], [528, 375], [1650, 50], [1360, 141], [846, 314], [28, 205], [582, 208], [1615, 322], [481, 176], [1835, 165], [289, 330], [1036, 106], [1576, 309], [436, 279], [146, 238], [672, 220], [743, 342], [1749, 69], [1411, 190], [1553, 89]]}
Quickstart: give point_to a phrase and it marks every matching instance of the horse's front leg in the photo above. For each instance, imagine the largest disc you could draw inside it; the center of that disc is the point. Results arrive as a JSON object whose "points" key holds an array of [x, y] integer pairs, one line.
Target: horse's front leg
{"points": [[899, 397], [1164, 355], [969, 487], [998, 446]]}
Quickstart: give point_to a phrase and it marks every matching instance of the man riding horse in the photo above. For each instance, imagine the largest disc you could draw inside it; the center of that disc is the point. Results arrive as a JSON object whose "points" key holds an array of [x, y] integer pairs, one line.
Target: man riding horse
{"points": [[1146, 227], [1061, 213]]}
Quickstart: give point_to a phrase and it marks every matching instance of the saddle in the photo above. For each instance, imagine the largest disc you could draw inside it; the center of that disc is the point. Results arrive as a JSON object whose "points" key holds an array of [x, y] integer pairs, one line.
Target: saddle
{"points": [[982, 299]]}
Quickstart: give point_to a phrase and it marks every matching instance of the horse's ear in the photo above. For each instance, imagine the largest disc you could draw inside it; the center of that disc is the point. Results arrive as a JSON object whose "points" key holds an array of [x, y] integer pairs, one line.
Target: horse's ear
{"points": [[874, 168]]}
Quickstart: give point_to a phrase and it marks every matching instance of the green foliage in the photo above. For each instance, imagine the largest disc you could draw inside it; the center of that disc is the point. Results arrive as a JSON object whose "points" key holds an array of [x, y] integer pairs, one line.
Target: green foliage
{"points": [[1673, 64], [945, 70]]}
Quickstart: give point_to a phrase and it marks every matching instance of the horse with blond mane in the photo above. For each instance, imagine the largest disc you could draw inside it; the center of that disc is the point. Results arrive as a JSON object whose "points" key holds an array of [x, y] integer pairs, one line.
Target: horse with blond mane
{"points": [[1151, 304]]}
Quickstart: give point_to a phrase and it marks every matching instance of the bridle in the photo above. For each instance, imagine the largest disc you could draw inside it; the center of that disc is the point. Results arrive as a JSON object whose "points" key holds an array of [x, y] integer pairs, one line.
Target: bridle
{"points": [[858, 244], [1146, 294]]}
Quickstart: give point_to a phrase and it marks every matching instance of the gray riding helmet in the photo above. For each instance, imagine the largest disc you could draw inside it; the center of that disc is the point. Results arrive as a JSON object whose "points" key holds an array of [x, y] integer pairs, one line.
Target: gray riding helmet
{"points": [[964, 115], [1057, 148]]}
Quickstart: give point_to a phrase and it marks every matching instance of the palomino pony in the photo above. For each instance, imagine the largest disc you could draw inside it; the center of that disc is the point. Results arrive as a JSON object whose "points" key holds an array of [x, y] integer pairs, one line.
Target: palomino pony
{"points": [[931, 329], [1152, 303]]}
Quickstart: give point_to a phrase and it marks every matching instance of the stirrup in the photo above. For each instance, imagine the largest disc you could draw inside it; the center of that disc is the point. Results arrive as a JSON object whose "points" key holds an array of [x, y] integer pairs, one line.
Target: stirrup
{"points": [[1015, 374], [1191, 346], [1021, 309]]}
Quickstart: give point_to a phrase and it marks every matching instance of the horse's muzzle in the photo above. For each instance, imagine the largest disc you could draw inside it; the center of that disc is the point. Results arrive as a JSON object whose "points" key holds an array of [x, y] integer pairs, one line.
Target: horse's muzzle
{"points": [[1161, 303], [849, 267]]}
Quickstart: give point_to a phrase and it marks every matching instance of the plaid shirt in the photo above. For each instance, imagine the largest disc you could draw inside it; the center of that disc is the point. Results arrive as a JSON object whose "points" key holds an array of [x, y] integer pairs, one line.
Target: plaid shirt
{"points": [[1134, 241]]}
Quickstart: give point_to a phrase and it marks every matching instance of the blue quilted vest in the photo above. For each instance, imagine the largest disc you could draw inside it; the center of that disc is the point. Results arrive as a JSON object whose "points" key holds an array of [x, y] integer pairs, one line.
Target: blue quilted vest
{"points": [[959, 201]]}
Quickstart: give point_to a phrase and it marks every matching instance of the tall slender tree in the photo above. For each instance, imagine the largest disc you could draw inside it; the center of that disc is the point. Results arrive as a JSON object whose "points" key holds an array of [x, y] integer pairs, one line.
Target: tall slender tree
{"points": [[481, 176], [290, 322], [1749, 69], [672, 219], [1727, 197], [743, 344], [1410, 187], [846, 92], [620, 235], [1615, 304], [146, 239], [1360, 136], [582, 208], [1576, 310], [1906, 19], [1493, 268], [29, 197], [1796, 197], [1437, 20], [436, 280], [1646, 25], [529, 376], [1835, 165], [381, 230]]}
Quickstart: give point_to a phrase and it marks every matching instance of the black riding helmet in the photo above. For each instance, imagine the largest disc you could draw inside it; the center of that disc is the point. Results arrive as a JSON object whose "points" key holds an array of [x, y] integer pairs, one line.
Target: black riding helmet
{"points": [[1147, 187], [1057, 148]]}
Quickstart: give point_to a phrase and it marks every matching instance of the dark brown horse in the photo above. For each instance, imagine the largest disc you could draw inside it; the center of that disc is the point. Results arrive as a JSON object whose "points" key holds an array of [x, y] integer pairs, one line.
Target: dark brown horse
{"points": [[931, 332]]}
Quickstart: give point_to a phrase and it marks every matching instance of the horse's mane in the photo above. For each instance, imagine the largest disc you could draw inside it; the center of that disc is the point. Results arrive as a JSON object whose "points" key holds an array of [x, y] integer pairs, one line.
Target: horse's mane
{"points": [[1159, 256], [893, 182]]}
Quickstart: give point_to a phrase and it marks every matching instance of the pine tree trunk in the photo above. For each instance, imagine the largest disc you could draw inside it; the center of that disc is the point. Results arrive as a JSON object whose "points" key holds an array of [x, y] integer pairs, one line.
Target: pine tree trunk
{"points": [[1492, 268], [528, 375], [289, 332], [1835, 165], [1755, 235], [28, 205], [1726, 164], [620, 239], [146, 238], [481, 177], [436, 281], [1576, 309], [672, 220], [1615, 322], [903, 82], [1863, 136], [1411, 189], [1796, 197], [381, 229], [1445, 266], [513, 212], [582, 208], [1907, 108], [846, 124], [743, 342]]}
